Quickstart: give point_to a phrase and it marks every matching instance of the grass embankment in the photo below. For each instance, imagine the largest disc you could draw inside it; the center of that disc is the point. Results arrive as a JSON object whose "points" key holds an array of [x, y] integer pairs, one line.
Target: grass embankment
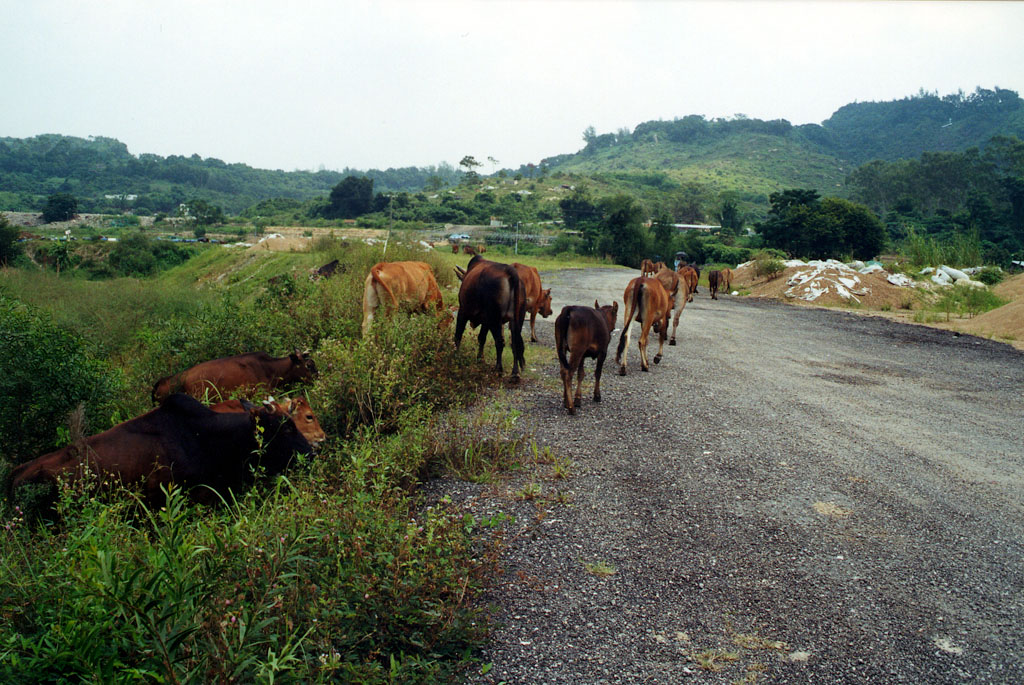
{"points": [[335, 572]]}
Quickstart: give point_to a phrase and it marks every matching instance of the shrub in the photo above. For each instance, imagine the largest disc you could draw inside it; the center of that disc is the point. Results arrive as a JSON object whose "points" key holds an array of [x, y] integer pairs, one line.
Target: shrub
{"points": [[45, 373], [768, 266], [990, 275]]}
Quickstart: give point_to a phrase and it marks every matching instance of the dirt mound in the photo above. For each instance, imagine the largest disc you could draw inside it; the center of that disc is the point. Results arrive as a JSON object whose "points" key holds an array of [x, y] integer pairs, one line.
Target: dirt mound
{"points": [[1006, 322], [275, 242]]}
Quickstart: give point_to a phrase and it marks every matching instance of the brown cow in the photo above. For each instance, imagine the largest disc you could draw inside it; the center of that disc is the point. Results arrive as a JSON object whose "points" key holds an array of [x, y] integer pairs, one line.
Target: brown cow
{"points": [[248, 371], [468, 249], [392, 283], [492, 294], [646, 299], [297, 408], [180, 442], [647, 268], [714, 279], [455, 248], [481, 248], [689, 275], [584, 332], [678, 292], [537, 300], [726, 279]]}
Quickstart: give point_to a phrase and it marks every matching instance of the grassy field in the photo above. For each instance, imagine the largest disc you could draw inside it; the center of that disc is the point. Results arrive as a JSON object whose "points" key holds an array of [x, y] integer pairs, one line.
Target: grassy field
{"points": [[336, 571]]}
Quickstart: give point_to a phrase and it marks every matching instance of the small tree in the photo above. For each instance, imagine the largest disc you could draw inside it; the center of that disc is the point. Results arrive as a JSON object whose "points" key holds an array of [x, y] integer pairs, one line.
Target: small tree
{"points": [[469, 163], [9, 247], [60, 207]]}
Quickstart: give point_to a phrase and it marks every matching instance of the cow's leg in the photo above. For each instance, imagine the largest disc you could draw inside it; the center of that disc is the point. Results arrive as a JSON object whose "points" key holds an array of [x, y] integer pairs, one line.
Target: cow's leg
{"points": [[624, 339], [482, 338], [566, 375], [460, 328], [645, 331], [533, 323], [662, 335], [675, 321], [597, 374], [499, 345], [581, 361], [370, 304], [518, 347]]}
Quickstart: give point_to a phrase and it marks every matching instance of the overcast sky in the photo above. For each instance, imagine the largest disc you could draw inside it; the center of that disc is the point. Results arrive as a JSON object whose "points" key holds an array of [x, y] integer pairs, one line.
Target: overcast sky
{"points": [[305, 85]]}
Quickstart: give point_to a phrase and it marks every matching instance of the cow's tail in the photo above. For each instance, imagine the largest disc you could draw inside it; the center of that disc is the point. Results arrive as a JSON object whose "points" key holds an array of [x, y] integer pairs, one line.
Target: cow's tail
{"points": [[632, 310], [562, 338], [518, 316], [375, 273]]}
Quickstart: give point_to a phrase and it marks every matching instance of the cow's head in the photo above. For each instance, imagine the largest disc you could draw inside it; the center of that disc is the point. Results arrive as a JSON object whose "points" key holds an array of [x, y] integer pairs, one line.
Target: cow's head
{"points": [[303, 367], [545, 303], [610, 313], [305, 420]]}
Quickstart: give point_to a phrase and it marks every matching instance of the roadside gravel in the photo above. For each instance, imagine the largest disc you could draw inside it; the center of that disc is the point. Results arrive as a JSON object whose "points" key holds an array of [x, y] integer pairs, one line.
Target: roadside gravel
{"points": [[792, 495]]}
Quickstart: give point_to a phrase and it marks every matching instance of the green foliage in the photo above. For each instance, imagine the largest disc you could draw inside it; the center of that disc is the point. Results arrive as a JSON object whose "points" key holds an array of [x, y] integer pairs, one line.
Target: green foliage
{"points": [[46, 372], [965, 299], [623, 236], [957, 250], [141, 255], [352, 197], [990, 275], [9, 247], [204, 213], [767, 265], [801, 224], [60, 207]]}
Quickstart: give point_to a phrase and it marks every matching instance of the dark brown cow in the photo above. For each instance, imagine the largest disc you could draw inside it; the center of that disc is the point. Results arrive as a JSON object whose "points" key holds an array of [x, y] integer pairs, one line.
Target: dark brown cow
{"points": [[326, 271], [217, 377], [491, 295], [678, 292], [689, 275], [468, 249], [726, 279], [180, 442], [537, 300], [645, 299], [296, 408], [714, 279], [583, 332], [394, 283], [647, 268]]}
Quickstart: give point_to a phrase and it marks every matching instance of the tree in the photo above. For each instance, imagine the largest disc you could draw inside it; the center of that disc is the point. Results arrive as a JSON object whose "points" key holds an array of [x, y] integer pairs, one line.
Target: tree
{"points": [[804, 225], [9, 247], [469, 163], [623, 235], [579, 206], [352, 197], [60, 207], [205, 213]]}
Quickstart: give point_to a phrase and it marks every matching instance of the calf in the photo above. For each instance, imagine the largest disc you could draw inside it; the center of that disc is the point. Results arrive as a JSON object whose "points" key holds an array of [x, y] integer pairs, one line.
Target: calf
{"points": [[537, 300], [714, 279], [726, 279], [646, 299], [296, 408], [678, 292], [180, 442], [247, 371], [584, 332], [689, 275], [647, 268], [491, 295], [394, 283]]}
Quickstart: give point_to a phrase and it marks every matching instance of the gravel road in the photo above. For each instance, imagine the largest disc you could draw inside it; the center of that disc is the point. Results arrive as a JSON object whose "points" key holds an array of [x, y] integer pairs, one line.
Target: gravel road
{"points": [[791, 495]]}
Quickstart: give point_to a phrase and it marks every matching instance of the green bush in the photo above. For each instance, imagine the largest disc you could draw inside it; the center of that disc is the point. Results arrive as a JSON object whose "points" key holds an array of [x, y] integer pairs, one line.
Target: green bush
{"points": [[768, 266], [46, 372], [990, 275], [140, 255]]}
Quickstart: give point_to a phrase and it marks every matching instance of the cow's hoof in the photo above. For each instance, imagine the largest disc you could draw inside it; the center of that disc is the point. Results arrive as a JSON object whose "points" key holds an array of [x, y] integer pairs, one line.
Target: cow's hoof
{"points": [[672, 342], [657, 360], [644, 368], [572, 411], [622, 370], [597, 398]]}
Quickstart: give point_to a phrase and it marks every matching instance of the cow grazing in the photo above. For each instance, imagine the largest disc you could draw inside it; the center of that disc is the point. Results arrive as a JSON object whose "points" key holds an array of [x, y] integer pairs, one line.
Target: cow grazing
{"points": [[678, 292], [689, 275], [714, 280], [492, 294], [726, 279], [468, 249], [645, 299], [394, 283], [249, 371], [583, 332], [297, 408], [537, 300], [455, 248], [647, 268], [481, 248], [326, 271], [180, 442]]}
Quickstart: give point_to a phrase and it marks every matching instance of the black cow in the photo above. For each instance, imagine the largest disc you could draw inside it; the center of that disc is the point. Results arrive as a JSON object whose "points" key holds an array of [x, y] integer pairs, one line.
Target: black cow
{"points": [[491, 295], [181, 442], [582, 332], [327, 270]]}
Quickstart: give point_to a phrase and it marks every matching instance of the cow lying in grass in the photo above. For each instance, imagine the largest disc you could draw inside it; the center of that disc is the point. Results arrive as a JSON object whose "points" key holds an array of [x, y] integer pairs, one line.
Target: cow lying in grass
{"points": [[583, 332], [251, 371], [645, 299]]}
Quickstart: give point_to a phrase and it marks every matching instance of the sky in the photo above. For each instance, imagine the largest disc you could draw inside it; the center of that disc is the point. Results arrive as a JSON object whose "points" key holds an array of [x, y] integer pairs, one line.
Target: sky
{"points": [[333, 84]]}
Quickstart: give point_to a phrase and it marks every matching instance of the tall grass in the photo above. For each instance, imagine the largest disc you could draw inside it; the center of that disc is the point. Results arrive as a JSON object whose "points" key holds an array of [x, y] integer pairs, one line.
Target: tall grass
{"points": [[963, 249]]}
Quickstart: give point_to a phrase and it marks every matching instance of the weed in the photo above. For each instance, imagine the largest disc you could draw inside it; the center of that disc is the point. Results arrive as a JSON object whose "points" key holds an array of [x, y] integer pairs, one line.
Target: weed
{"points": [[530, 491], [601, 569], [714, 659]]}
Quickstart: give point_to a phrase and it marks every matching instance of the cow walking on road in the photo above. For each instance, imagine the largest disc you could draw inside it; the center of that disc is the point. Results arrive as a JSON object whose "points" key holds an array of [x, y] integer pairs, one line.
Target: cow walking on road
{"points": [[582, 332], [492, 295]]}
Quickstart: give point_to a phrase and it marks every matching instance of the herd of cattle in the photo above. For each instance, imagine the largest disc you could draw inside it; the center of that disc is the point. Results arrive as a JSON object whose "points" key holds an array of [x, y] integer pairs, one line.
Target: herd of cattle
{"points": [[210, 450]]}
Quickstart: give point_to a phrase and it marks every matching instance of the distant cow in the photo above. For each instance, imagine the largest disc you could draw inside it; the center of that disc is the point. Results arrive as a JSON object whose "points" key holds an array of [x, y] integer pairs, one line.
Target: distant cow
{"points": [[645, 299], [180, 442], [726, 279], [583, 332], [326, 271], [455, 248], [491, 295], [647, 268], [714, 279], [249, 371], [678, 292], [537, 300], [468, 249], [481, 248], [297, 408], [396, 283], [689, 275]]}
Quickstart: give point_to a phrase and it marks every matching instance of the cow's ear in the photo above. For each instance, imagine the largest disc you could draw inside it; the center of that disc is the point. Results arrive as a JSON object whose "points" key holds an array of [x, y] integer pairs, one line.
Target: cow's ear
{"points": [[295, 357], [596, 305], [615, 306], [547, 293]]}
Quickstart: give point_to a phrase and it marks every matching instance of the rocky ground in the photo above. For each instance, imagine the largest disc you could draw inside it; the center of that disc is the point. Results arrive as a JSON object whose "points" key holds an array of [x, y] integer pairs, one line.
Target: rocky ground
{"points": [[792, 495]]}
